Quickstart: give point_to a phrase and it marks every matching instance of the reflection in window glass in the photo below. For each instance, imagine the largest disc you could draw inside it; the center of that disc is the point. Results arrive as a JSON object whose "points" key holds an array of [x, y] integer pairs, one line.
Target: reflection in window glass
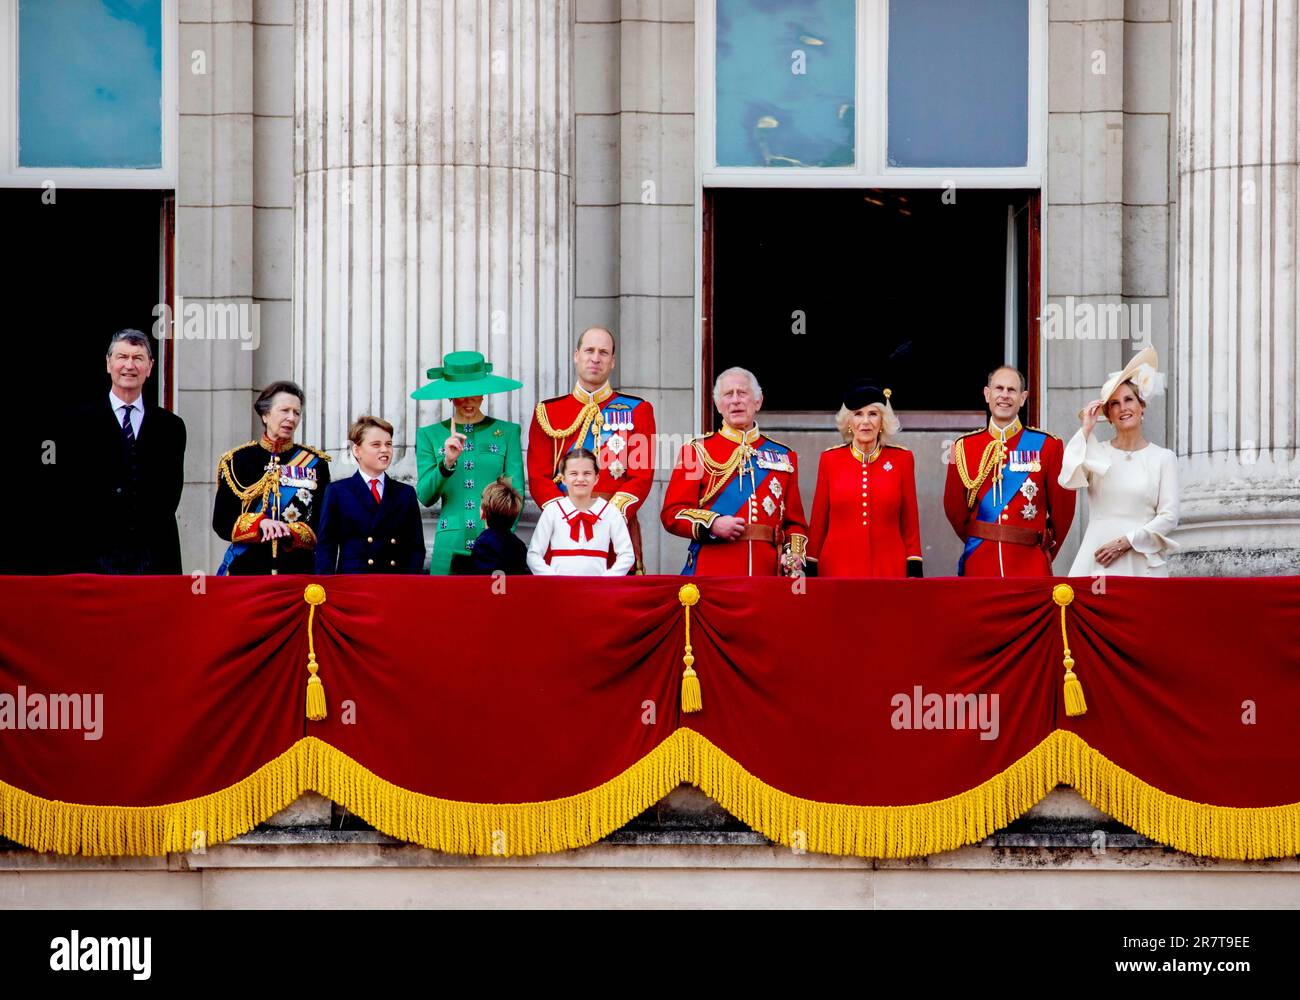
{"points": [[785, 83], [958, 83], [90, 83]]}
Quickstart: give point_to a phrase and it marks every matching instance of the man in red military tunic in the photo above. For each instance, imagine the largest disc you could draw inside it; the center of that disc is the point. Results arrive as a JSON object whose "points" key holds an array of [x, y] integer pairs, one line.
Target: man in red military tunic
{"points": [[617, 428], [735, 494], [1002, 495]]}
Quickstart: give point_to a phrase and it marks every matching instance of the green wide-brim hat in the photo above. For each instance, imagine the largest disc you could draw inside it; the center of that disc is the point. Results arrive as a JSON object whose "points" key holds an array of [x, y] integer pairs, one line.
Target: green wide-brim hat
{"points": [[464, 373]]}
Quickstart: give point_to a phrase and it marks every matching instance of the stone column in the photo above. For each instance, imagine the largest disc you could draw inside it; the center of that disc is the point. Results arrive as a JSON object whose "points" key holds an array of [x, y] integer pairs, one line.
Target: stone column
{"points": [[1235, 384], [433, 204]]}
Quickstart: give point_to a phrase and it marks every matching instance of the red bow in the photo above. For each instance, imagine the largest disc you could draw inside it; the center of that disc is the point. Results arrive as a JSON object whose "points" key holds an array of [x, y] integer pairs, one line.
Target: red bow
{"points": [[579, 520]]}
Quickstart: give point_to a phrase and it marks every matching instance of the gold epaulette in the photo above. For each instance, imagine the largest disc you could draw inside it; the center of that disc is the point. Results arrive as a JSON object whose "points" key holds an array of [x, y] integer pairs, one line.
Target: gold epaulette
{"points": [[1041, 431], [225, 459], [835, 447], [315, 451], [898, 447]]}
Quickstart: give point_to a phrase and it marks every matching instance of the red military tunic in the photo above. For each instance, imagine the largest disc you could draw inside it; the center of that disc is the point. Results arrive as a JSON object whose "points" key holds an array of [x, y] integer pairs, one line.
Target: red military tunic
{"points": [[981, 498], [757, 480], [619, 429], [864, 520]]}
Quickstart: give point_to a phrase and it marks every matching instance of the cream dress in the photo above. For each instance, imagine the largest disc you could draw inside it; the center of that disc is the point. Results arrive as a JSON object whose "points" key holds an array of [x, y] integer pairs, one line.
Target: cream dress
{"points": [[1133, 494]]}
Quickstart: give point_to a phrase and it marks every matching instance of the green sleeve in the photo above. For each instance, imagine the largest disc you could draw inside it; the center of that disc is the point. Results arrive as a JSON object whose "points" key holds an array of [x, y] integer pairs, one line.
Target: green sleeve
{"points": [[428, 463], [515, 466]]}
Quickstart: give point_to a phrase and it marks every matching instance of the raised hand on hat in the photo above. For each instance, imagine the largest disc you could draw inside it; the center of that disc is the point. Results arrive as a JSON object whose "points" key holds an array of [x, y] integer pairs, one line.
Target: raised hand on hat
{"points": [[1091, 414]]}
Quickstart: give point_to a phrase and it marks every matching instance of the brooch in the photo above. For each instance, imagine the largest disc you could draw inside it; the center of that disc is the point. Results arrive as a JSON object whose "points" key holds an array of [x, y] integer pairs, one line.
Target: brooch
{"points": [[1029, 489], [616, 470], [1029, 512], [888, 466], [775, 488], [768, 505]]}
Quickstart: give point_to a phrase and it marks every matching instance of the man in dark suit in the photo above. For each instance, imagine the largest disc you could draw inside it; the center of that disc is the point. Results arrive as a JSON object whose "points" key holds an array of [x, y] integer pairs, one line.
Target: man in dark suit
{"points": [[369, 522], [122, 467]]}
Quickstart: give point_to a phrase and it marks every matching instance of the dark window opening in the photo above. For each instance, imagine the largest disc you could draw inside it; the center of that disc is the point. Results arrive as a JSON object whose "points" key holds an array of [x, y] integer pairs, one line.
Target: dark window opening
{"points": [[812, 289]]}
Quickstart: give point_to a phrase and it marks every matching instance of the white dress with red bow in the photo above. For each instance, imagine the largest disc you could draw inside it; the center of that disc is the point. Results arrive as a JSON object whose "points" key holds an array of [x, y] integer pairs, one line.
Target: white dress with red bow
{"points": [[572, 542]]}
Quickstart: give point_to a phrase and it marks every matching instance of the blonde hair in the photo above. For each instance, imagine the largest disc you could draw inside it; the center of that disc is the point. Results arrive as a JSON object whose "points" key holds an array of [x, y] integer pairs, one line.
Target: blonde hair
{"points": [[501, 503], [357, 432], [889, 426]]}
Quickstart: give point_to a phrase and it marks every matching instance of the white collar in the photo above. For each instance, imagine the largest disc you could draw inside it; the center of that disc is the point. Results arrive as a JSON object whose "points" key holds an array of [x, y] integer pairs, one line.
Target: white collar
{"points": [[116, 402], [568, 510], [382, 477]]}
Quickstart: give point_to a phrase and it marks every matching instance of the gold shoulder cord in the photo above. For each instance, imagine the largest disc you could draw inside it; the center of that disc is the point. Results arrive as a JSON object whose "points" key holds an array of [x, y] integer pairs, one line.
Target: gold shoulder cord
{"points": [[719, 472], [246, 494], [991, 459], [588, 415]]}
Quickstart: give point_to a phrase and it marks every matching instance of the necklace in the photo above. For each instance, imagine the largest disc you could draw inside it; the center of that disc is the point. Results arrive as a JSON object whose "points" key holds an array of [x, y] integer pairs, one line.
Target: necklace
{"points": [[1128, 452]]}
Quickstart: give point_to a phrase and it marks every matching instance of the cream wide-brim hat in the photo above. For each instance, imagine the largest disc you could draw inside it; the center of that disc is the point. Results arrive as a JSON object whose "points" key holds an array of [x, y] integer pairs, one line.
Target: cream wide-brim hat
{"points": [[1142, 370]]}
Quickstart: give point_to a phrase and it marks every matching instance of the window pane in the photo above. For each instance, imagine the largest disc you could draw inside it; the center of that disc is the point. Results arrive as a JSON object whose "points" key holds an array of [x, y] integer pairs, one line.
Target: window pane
{"points": [[958, 83], [90, 83], [785, 83]]}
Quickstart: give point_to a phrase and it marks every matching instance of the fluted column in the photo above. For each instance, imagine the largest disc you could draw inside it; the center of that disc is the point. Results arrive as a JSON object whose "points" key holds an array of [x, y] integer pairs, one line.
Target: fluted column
{"points": [[433, 203], [1235, 382]]}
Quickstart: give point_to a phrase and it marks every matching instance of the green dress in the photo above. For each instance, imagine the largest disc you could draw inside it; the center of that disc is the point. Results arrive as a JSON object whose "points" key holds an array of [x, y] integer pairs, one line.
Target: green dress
{"points": [[492, 448]]}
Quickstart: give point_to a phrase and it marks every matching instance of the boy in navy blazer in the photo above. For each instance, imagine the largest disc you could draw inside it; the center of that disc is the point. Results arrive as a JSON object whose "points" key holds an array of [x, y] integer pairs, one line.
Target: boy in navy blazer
{"points": [[370, 523]]}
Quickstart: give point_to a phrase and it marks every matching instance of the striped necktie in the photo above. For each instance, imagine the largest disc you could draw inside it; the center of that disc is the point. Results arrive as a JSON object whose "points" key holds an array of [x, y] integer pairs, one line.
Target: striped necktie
{"points": [[128, 432]]}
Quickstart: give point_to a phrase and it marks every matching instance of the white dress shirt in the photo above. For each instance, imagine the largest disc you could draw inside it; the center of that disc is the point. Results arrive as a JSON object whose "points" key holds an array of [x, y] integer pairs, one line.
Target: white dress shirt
{"points": [[137, 411], [381, 479]]}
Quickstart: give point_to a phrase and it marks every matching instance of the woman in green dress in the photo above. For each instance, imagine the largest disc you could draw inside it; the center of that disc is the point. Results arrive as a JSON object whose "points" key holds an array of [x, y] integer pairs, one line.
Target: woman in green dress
{"points": [[458, 457]]}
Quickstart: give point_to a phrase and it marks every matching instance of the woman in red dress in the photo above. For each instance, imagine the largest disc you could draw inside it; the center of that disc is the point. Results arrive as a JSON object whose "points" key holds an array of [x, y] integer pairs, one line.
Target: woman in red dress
{"points": [[864, 520]]}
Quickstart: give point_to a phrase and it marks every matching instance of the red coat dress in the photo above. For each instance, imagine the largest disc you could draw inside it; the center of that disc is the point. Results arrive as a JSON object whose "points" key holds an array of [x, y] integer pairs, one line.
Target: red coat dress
{"points": [[1011, 483], [756, 480], [864, 520]]}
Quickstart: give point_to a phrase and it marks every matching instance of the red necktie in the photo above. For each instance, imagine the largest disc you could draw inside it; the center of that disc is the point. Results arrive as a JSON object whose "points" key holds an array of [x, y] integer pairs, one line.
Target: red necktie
{"points": [[580, 520], [374, 489]]}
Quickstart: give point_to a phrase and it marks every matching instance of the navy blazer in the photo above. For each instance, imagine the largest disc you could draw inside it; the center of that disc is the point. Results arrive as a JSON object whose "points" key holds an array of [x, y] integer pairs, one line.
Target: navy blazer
{"points": [[358, 535], [493, 550]]}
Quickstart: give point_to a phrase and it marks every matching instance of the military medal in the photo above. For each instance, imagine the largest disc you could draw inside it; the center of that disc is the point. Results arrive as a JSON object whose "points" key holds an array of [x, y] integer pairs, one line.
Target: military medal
{"points": [[1029, 512], [1029, 489], [775, 487], [768, 505], [616, 470], [615, 444]]}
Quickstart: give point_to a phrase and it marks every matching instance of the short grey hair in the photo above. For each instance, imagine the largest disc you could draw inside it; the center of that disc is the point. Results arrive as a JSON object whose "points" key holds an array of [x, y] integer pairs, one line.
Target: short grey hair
{"points": [[133, 337], [889, 426], [754, 387]]}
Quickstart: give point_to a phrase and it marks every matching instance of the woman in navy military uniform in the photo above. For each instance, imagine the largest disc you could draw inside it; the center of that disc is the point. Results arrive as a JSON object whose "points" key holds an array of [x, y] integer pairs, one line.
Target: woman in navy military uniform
{"points": [[370, 523], [268, 492]]}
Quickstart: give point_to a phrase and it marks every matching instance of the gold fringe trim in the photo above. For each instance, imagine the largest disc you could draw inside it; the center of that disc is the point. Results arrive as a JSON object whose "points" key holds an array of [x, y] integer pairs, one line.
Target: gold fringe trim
{"points": [[685, 757]]}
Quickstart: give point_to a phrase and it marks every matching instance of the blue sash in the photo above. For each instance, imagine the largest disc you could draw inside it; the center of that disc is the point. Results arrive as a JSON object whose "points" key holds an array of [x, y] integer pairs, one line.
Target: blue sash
{"points": [[987, 510], [287, 493], [731, 499], [589, 442], [626, 405]]}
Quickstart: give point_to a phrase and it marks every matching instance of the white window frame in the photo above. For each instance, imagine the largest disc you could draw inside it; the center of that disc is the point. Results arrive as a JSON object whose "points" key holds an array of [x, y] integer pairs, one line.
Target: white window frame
{"points": [[871, 167], [151, 178]]}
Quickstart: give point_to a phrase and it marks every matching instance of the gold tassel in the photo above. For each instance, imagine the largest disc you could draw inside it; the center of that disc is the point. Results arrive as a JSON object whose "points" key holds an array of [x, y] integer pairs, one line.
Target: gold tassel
{"points": [[316, 710], [1075, 704], [692, 696]]}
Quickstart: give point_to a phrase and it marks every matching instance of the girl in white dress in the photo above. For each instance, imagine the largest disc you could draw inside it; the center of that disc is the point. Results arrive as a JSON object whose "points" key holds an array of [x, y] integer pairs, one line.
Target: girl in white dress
{"points": [[1132, 484], [576, 531]]}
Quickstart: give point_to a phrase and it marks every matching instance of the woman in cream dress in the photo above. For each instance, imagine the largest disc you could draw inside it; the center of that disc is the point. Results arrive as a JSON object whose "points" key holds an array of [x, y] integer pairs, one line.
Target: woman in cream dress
{"points": [[1132, 484]]}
